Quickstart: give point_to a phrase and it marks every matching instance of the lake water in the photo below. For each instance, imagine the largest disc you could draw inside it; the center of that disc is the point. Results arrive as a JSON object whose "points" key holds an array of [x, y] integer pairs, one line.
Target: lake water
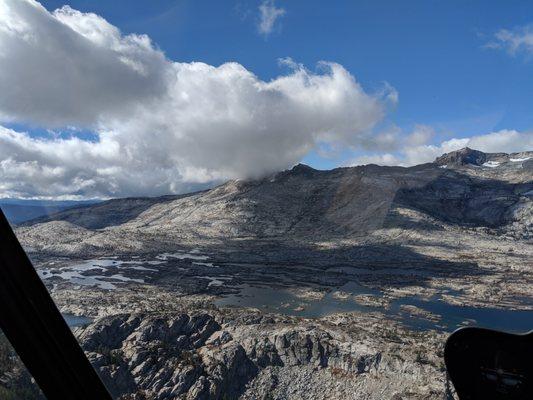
{"points": [[76, 320], [450, 317], [443, 316], [453, 316], [93, 273], [77, 273]]}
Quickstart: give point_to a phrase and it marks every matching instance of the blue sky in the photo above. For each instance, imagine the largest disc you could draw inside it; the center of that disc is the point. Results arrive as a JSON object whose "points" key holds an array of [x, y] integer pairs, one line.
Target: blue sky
{"points": [[454, 76], [430, 51]]}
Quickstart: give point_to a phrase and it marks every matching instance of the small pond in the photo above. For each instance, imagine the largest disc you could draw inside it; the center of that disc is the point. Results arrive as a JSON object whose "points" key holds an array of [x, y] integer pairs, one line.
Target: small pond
{"points": [[76, 320]]}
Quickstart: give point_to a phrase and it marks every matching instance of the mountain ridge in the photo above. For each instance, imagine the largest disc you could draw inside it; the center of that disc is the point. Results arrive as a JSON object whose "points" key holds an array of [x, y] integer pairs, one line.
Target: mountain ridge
{"points": [[307, 204]]}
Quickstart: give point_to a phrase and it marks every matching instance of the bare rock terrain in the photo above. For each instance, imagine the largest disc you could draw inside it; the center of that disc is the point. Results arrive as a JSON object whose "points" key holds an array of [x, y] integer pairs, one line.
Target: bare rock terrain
{"points": [[250, 356]]}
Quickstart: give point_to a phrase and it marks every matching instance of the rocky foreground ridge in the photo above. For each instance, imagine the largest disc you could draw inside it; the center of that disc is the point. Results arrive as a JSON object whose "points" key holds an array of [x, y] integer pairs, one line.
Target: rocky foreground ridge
{"points": [[201, 356]]}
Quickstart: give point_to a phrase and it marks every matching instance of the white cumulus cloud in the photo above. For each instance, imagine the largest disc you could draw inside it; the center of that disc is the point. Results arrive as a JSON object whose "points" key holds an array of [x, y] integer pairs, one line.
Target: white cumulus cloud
{"points": [[69, 68], [161, 126]]}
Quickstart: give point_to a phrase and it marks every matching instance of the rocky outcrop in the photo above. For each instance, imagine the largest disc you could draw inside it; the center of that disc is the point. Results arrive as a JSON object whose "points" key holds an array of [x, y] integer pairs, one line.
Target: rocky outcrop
{"points": [[194, 356], [465, 156]]}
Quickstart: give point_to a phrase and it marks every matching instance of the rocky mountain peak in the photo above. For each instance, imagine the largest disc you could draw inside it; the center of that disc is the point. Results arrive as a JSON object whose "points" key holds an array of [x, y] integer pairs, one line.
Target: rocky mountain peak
{"points": [[299, 170], [302, 169], [463, 156]]}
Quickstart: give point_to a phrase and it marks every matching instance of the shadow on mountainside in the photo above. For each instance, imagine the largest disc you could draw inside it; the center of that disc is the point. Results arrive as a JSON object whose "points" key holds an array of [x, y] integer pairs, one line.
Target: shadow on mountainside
{"points": [[462, 200], [285, 265]]}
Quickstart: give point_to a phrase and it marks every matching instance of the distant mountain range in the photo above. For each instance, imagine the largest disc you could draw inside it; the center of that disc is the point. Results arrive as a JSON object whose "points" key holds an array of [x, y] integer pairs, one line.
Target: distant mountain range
{"points": [[465, 188], [21, 210]]}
